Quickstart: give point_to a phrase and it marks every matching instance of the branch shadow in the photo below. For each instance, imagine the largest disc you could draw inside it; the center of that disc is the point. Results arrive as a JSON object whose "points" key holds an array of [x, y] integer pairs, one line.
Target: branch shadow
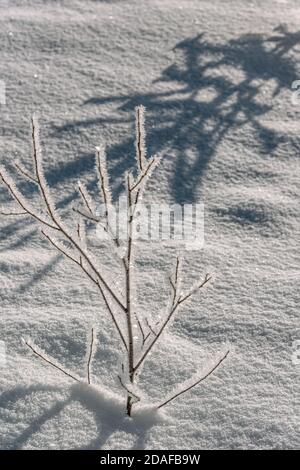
{"points": [[211, 90], [39, 275], [109, 415]]}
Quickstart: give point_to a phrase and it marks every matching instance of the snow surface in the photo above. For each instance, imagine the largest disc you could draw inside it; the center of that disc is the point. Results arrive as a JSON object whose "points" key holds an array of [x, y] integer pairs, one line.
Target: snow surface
{"points": [[216, 79]]}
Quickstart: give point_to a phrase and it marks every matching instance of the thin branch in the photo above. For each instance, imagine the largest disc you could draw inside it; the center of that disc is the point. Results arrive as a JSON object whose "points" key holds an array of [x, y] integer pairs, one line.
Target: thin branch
{"points": [[144, 336], [96, 271], [193, 290], [150, 328], [112, 316], [195, 383], [174, 307], [40, 355], [172, 284], [13, 213], [19, 198], [128, 279], [140, 327], [87, 272], [103, 178], [80, 263], [38, 170], [177, 270], [140, 136], [85, 197], [68, 255], [88, 366], [90, 217], [106, 227], [145, 172], [55, 219], [59, 247], [27, 175], [130, 392]]}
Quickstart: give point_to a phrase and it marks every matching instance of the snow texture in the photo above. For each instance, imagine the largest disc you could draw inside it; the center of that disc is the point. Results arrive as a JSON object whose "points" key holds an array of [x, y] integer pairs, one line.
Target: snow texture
{"points": [[216, 80]]}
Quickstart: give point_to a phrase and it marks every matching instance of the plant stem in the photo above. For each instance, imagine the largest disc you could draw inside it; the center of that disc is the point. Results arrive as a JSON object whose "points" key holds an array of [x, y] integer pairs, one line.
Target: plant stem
{"points": [[128, 297]]}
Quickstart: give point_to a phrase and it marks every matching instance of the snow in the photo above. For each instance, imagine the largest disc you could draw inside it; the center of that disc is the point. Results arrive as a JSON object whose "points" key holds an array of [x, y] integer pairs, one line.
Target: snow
{"points": [[216, 80]]}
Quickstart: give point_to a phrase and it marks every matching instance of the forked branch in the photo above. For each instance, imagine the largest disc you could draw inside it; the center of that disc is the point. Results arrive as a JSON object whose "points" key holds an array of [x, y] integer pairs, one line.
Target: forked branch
{"points": [[90, 355], [39, 353]]}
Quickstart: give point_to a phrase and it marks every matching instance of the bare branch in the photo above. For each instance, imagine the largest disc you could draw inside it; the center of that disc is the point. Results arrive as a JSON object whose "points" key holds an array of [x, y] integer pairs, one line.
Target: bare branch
{"points": [[59, 247], [80, 263], [177, 270], [11, 213], [95, 281], [103, 179], [195, 383], [140, 327], [130, 392], [42, 184], [150, 328], [141, 360], [175, 284], [85, 197], [194, 289], [86, 215], [89, 361], [52, 213], [144, 335], [25, 173], [174, 306], [140, 136], [15, 193], [146, 172], [112, 316], [77, 252], [40, 354]]}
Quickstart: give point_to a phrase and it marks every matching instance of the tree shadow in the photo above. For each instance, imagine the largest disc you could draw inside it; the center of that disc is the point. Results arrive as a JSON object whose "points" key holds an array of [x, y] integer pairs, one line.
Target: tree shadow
{"points": [[108, 413], [211, 90]]}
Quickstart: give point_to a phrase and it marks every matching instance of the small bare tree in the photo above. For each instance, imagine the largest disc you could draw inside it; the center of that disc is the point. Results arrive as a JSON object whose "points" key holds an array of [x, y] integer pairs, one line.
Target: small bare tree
{"points": [[72, 243]]}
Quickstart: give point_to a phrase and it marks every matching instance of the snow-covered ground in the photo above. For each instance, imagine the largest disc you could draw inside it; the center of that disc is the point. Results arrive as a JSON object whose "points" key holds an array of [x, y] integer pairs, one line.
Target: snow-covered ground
{"points": [[215, 77]]}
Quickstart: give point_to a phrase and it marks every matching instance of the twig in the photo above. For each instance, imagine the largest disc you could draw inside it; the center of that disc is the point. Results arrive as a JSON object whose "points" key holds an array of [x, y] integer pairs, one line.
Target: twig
{"points": [[50, 362], [17, 196], [140, 136], [189, 294], [177, 270], [174, 306], [90, 217], [85, 197], [150, 328], [95, 281], [140, 327], [59, 247], [7, 214], [103, 179], [130, 392], [90, 357], [112, 316], [22, 170], [194, 384]]}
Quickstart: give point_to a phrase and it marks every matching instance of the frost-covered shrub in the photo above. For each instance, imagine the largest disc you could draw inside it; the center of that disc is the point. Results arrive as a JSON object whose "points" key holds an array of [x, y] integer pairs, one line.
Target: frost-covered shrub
{"points": [[72, 243]]}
